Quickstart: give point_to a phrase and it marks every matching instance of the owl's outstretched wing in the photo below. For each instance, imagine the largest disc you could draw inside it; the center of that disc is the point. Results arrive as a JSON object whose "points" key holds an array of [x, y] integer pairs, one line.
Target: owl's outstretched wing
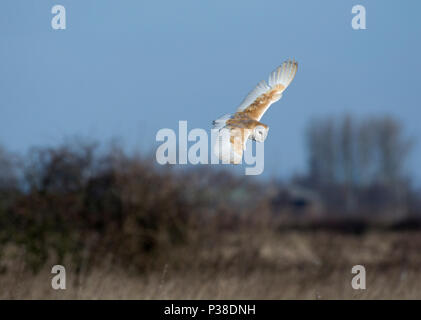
{"points": [[234, 130], [230, 144], [264, 94]]}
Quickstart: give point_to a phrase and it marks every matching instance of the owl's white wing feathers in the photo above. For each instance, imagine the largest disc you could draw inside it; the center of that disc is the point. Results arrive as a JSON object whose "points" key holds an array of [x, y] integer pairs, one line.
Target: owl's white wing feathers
{"points": [[283, 75], [221, 122], [230, 144], [261, 88]]}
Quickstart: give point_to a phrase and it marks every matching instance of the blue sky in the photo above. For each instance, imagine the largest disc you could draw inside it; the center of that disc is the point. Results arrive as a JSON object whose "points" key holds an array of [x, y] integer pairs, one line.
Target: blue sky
{"points": [[126, 69]]}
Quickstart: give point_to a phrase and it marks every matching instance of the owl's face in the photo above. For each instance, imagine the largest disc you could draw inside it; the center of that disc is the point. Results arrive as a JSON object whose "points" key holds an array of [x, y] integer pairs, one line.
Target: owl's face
{"points": [[260, 133]]}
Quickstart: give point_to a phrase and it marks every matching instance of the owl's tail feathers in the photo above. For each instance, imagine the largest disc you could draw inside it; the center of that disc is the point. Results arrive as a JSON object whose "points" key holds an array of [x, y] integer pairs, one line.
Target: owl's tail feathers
{"points": [[221, 122], [283, 75]]}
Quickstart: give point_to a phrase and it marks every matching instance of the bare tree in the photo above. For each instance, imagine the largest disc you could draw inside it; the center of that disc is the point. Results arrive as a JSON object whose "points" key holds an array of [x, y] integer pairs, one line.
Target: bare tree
{"points": [[321, 148], [349, 154]]}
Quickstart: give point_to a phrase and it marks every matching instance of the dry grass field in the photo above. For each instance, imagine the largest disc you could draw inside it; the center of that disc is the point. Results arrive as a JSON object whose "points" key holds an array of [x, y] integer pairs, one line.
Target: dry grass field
{"points": [[267, 265]]}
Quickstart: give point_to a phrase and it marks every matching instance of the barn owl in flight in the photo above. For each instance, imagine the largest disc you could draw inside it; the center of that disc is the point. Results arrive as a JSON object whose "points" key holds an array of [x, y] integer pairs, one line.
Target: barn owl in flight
{"points": [[235, 129]]}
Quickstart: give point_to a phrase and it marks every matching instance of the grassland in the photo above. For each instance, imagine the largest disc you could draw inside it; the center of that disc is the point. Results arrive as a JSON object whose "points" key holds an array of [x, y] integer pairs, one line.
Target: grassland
{"points": [[247, 265]]}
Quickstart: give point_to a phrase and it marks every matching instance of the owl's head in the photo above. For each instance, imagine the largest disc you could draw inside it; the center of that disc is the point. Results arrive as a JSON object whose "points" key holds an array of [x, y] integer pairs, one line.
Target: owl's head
{"points": [[260, 133]]}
